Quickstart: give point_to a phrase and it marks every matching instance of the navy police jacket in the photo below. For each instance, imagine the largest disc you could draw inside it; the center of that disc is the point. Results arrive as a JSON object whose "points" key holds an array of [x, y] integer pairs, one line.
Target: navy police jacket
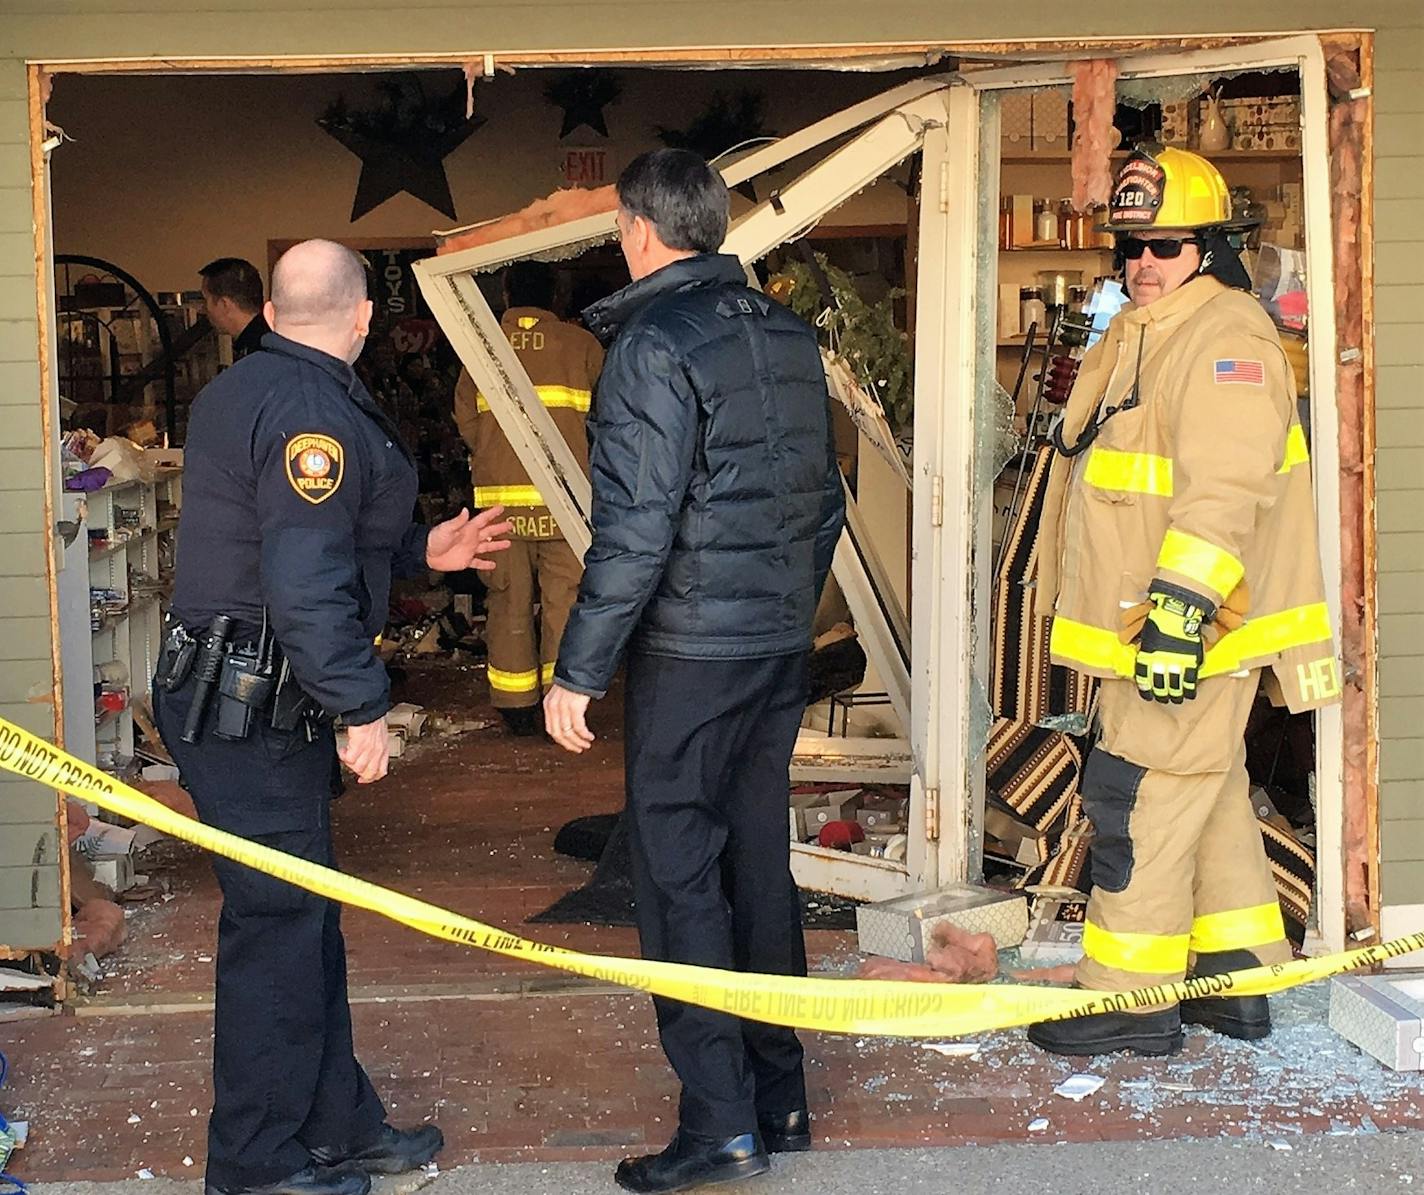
{"points": [[297, 497], [717, 500]]}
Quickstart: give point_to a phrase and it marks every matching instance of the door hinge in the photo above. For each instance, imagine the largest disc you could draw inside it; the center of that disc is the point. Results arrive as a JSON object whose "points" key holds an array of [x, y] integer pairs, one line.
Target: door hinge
{"points": [[932, 814], [944, 187], [937, 501]]}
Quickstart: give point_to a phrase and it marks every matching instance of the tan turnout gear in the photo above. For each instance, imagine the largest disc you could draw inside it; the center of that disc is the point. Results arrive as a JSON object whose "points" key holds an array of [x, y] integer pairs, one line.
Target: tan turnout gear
{"points": [[1203, 482], [563, 361]]}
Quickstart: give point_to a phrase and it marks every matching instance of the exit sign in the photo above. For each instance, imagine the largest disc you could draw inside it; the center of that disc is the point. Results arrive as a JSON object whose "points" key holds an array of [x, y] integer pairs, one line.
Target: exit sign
{"points": [[584, 167]]}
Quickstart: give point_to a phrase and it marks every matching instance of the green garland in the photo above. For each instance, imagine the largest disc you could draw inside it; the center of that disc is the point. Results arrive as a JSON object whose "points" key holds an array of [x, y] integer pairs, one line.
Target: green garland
{"points": [[863, 335]]}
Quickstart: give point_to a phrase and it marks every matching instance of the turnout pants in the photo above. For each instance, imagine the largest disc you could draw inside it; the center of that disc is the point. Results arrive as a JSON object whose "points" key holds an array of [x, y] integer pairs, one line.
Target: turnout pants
{"points": [[1179, 870], [285, 1075], [708, 748], [521, 665]]}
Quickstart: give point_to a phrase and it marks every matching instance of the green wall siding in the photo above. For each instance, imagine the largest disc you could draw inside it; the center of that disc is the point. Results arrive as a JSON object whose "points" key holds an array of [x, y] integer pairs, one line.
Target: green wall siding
{"points": [[48, 30]]}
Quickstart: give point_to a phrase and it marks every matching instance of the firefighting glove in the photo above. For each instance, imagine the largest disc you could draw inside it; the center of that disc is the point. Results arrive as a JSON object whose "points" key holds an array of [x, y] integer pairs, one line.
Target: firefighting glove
{"points": [[1170, 651]]}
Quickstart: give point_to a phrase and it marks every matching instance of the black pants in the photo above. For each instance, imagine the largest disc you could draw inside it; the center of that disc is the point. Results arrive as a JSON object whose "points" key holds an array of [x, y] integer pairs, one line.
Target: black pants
{"points": [[708, 747], [285, 1076]]}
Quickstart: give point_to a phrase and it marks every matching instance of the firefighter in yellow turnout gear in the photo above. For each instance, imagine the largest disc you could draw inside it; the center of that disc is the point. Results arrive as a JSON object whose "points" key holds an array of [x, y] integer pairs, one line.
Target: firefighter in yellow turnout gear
{"points": [[563, 362], [1181, 567]]}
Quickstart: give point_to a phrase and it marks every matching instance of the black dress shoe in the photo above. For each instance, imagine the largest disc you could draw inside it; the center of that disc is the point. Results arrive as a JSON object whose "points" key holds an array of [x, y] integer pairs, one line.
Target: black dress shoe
{"points": [[312, 1180], [394, 1151], [694, 1161], [1154, 1034], [787, 1134], [1247, 1018]]}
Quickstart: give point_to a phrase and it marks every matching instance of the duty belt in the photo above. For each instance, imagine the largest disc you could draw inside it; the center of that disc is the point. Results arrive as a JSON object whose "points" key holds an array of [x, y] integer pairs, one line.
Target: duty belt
{"points": [[252, 680]]}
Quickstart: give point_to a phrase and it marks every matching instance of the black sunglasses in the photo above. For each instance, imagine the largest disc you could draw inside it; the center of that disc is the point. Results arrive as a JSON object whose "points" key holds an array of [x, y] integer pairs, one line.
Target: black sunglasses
{"points": [[1163, 249]]}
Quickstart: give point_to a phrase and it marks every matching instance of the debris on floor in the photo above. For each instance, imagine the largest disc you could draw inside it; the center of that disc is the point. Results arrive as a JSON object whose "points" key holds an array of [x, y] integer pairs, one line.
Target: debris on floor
{"points": [[1383, 1015], [1079, 1087]]}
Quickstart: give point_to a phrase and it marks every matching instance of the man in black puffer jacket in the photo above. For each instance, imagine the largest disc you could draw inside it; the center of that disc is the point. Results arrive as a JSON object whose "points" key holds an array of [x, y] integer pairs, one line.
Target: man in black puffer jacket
{"points": [[717, 504]]}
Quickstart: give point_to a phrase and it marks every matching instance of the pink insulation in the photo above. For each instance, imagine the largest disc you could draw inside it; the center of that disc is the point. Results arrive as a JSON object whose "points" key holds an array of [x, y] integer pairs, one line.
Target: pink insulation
{"points": [[559, 208], [1094, 137]]}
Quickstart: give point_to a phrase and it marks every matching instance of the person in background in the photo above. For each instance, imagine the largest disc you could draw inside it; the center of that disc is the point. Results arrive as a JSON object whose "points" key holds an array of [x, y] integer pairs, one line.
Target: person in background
{"points": [[717, 504], [232, 299], [563, 362]]}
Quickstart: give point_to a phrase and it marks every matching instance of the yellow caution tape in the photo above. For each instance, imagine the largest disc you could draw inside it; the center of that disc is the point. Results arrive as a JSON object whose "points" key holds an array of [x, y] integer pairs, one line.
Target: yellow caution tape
{"points": [[871, 1006]]}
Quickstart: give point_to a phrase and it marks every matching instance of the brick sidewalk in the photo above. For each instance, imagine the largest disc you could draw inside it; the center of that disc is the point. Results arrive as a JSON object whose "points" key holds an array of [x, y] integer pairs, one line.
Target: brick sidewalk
{"points": [[519, 1064], [580, 1077]]}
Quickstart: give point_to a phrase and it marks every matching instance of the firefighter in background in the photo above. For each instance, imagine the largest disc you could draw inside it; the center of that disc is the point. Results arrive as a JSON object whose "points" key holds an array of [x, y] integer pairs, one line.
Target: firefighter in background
{"points": [[1181, 567], [563, 361]]}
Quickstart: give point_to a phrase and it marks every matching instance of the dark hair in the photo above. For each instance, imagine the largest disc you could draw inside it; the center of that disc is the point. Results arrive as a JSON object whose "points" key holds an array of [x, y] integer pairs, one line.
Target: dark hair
{"points": [[235, 279], [530, 284], [683, 198]]}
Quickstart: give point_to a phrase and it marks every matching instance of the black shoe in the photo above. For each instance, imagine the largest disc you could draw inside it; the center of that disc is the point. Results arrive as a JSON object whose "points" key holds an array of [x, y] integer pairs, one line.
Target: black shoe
{"points": [[311, 1180], [525, 722], [1247, 1018], [394, 1151], [1154, 1034], [693, 1161], [787, 1134]]}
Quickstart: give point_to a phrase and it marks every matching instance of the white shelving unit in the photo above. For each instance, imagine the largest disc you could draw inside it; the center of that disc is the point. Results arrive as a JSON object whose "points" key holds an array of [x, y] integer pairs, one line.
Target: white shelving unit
{"points": [[130, 530]]}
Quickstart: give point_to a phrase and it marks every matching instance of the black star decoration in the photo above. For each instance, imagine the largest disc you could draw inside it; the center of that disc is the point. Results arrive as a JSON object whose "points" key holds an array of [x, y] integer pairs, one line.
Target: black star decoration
{"points": [[414, 166], [402, 145], [583, 94]]}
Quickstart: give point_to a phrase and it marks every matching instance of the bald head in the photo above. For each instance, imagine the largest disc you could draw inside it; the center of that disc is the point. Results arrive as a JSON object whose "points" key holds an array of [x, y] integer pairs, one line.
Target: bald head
{"points": [[319, 298]]}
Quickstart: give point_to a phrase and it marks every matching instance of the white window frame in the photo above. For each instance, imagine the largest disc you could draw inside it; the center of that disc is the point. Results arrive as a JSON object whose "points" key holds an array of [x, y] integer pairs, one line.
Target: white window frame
{"points": [[1305, 55]]}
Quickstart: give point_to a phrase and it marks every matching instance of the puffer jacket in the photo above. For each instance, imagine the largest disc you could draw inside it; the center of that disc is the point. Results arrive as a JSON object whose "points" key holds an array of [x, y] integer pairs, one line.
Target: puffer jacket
{"points": [[717, 500]]}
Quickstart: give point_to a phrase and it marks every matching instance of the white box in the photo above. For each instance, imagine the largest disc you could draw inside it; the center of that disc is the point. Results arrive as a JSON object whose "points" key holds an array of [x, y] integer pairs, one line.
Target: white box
{"points": [[115, 872], [1383, 1015], [1056, 936], [904, 927]]}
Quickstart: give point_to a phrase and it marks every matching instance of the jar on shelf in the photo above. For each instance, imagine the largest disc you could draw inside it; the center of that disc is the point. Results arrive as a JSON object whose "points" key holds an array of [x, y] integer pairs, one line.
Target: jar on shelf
{"points": [[1045, 222], [1031, 309], [1067, 233], [1006, 222]]}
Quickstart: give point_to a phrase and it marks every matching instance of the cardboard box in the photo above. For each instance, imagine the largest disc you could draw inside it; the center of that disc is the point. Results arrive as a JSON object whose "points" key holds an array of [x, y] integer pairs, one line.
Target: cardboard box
{"points": [[1009, 324], [1055, 936], [1013, 840], [801, 806], [1022, 206], [834, 807], [903, 928], [114, 871], [1383, 1015]]}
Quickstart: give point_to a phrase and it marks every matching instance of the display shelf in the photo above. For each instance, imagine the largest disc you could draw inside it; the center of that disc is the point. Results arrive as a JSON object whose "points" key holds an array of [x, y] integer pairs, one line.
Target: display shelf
{"points": [[123, 545]]}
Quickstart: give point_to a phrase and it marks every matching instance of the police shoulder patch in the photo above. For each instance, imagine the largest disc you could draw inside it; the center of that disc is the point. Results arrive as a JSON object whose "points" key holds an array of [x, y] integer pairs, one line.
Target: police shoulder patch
{"points": [[315, 465]]}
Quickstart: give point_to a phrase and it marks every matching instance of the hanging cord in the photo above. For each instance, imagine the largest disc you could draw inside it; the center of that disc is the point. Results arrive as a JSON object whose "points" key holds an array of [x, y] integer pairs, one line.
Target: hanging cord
{"points": [[7, 1179], [1100, 414]]}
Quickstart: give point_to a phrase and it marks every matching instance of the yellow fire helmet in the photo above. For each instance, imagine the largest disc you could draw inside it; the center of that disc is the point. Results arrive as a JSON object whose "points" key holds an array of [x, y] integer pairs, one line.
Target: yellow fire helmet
{"points": [[1168, 189]]}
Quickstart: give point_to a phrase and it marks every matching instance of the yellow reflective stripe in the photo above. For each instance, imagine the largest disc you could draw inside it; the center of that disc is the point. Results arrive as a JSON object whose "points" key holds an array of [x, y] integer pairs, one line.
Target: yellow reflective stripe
{"points": [[1238, 929], [547, 674], [1145, 954], [513, 682], [1256, 639], [1297, 451], [508, 495], [567, 398], [1268, 635], [1213, 567], [1131, 472], [1090, 646]]}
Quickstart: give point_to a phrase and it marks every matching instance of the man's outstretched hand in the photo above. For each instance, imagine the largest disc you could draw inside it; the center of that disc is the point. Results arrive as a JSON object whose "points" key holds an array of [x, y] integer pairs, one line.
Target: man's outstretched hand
{"points": [[565, 718], [464, 542]]}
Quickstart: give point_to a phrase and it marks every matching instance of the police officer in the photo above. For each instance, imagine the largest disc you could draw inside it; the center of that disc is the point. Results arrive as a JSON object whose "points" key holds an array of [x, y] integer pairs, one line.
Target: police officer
{"points": [[232, 301], [1180, 566], [563, 362], [298, 497]]}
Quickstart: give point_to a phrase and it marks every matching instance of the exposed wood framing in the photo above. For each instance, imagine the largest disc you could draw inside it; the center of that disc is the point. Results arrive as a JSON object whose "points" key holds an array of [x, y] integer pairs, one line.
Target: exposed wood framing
{"points": [[1349, 149]]}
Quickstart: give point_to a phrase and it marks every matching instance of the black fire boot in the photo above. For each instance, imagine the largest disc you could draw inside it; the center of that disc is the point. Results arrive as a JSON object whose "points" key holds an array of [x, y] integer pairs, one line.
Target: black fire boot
{"points": [[525, 722], [694, 1161], [311, 1180], [787, 1134], [1154, 1034], [1247, 1018], [394, 1151]]}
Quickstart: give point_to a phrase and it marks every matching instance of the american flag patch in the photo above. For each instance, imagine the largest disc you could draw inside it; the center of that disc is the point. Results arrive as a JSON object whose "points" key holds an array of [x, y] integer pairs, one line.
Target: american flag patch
{"points": [[1246, 373]]}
